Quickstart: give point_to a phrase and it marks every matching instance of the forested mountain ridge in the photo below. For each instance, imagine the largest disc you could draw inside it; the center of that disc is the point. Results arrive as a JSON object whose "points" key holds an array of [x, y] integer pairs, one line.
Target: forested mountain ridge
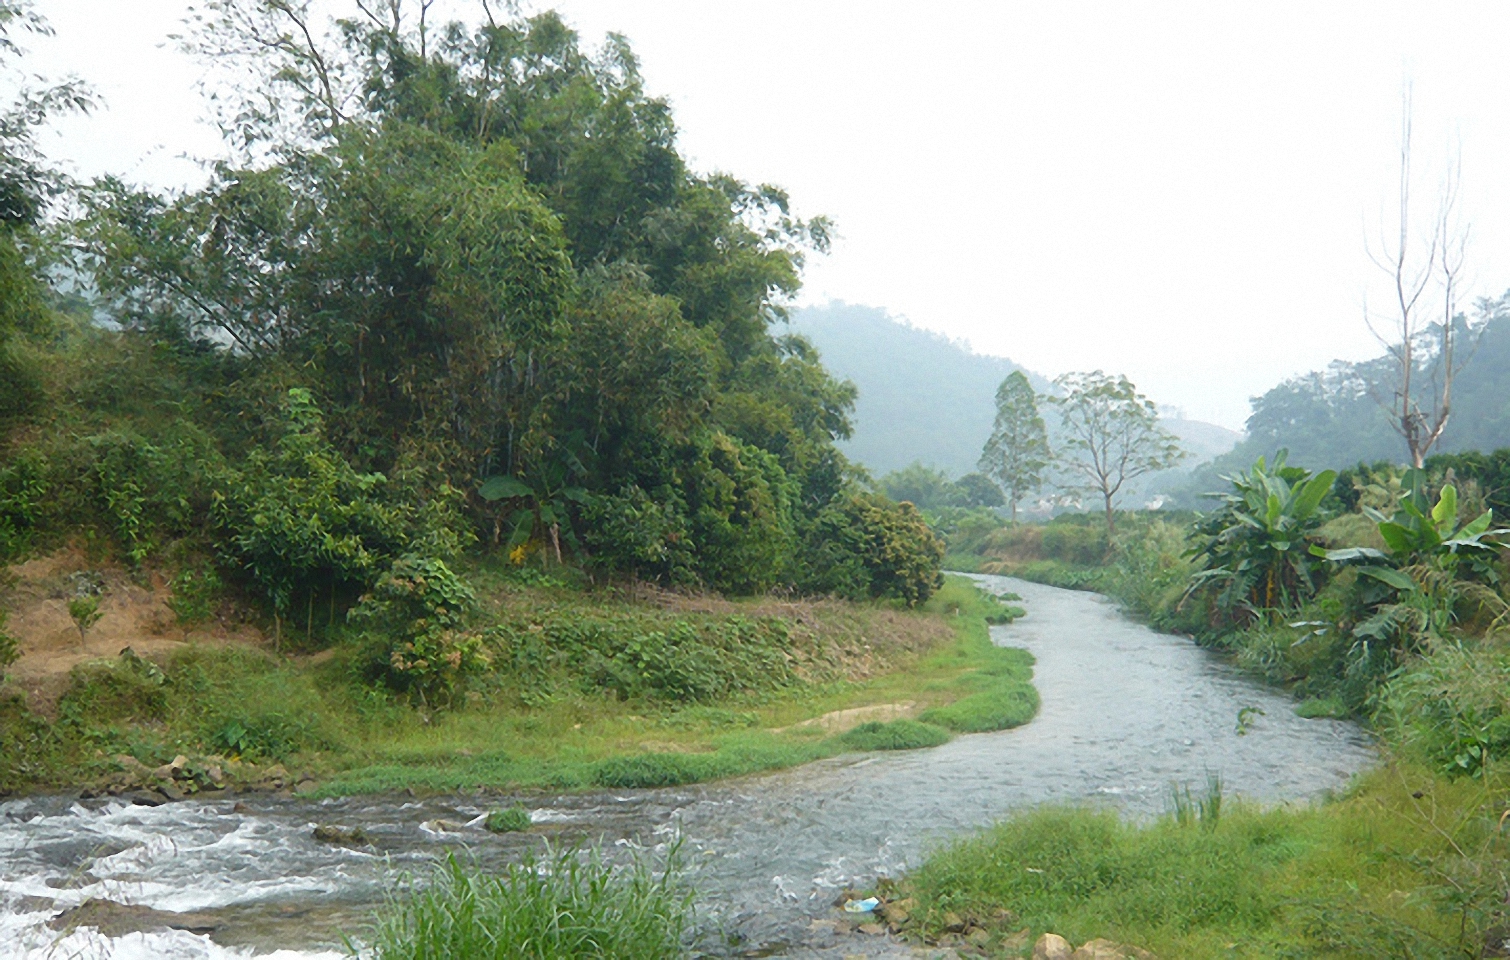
{"points": [[1333, 418]]}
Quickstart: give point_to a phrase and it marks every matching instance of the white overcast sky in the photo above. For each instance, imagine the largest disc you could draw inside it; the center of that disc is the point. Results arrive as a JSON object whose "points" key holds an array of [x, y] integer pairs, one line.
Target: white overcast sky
{"points": [[1176, 191]]}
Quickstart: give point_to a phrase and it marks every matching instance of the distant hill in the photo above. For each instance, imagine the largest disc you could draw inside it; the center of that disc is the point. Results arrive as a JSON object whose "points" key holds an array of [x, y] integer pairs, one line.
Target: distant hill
{"points": [[1201, 439], [925, 397]]}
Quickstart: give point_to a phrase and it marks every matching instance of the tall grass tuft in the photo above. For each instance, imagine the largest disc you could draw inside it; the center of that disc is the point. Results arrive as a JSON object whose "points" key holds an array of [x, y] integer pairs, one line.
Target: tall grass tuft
{"points": [[1189, 809], [563, 905]]}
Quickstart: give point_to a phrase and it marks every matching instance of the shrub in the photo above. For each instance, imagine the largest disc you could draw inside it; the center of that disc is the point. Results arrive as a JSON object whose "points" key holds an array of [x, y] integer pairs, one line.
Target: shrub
{"points": [[128, 688], [1075, 543], [263, 735], [24, 486], [10, 650], [865, 545], [739, 512], [300, 520], [1452, 707], [195, 595], [632, 532], [646, 658], [561, 906], [417, 609]]}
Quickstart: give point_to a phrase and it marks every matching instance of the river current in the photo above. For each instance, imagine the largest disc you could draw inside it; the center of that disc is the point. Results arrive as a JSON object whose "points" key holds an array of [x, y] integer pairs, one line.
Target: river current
{"points": [[1127, 712]]}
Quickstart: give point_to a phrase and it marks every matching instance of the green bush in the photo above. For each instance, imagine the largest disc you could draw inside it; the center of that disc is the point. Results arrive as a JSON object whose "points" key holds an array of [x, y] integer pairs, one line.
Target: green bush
{"points": [[24, 487], [301, 522], [415, 614], [128, 688], [562, 906], [10, 650], [739, 512], [195, 595], [900, 734], [1082, 544], [1452, 707], [263, 735], [646, 537], [865, 545]]}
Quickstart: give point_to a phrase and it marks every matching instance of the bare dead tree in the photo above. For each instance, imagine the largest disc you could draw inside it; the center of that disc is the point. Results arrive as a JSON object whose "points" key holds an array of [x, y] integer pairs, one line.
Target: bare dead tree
{"points": [[1420, 347]]}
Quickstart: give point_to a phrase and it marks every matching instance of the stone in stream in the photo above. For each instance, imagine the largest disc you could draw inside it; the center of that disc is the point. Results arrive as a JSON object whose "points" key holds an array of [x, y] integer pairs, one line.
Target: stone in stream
{"points": [[340, 836], [118, 919]]}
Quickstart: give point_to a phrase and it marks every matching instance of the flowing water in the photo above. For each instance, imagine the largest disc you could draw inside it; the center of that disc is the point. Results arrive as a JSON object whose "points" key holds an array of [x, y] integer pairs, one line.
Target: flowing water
{"points": [[1126, 713]]}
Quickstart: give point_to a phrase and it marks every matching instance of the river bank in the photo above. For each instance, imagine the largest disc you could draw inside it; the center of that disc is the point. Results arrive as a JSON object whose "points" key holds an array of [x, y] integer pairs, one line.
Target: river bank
{"points": [[1126, 711], [589, 690]]}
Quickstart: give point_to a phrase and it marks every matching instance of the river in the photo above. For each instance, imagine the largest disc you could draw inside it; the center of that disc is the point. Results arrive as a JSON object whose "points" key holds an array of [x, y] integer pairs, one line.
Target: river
{"points": [[1127, 712]]}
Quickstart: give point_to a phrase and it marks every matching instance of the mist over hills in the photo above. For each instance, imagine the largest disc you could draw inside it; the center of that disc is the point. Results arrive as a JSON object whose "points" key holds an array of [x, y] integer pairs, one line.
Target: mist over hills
{"points": [[925, 397], [922, 397]]}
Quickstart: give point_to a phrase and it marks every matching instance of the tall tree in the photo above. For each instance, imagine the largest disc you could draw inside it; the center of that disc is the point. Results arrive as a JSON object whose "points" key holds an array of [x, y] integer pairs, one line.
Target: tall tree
{"points": [[1109, 434], [1017, 452], [1424, 339]]}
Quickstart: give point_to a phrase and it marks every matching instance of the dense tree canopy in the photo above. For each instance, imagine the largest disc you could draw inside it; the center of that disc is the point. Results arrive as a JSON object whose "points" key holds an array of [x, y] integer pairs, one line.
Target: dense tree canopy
{"points": [[473, 255]]}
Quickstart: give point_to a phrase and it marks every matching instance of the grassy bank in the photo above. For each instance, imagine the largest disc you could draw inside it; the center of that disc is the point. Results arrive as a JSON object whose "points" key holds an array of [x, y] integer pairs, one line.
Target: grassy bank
{"points": [[1408, 864], [583, 688]]}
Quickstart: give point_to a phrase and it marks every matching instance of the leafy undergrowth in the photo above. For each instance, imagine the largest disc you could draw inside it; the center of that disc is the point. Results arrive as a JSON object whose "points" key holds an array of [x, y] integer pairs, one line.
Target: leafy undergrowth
{"points": [[1407, 865], [565, 904], [586, 690]]}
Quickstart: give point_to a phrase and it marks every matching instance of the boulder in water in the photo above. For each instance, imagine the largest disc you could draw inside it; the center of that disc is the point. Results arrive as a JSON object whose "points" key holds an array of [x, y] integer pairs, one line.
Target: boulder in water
{"points": [[118, 919], [341, 836]]}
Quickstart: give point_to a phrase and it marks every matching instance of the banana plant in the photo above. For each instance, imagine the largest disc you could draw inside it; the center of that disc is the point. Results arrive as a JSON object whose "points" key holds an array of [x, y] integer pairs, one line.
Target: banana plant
{"points": [[1420, 531], [1256, 546], [540, 512], [1426, 541]]}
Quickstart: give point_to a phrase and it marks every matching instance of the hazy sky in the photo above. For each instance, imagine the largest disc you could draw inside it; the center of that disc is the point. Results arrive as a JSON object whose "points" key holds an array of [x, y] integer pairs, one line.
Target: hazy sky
{"points": [[1176, 191]]}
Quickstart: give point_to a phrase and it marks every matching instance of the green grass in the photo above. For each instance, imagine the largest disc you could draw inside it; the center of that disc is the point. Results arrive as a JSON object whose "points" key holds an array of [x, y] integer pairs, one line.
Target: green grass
{"points": [[896, 735], [508, 820], [1006, 699], [1408, 865], [1316, 708], [565, 905]]}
